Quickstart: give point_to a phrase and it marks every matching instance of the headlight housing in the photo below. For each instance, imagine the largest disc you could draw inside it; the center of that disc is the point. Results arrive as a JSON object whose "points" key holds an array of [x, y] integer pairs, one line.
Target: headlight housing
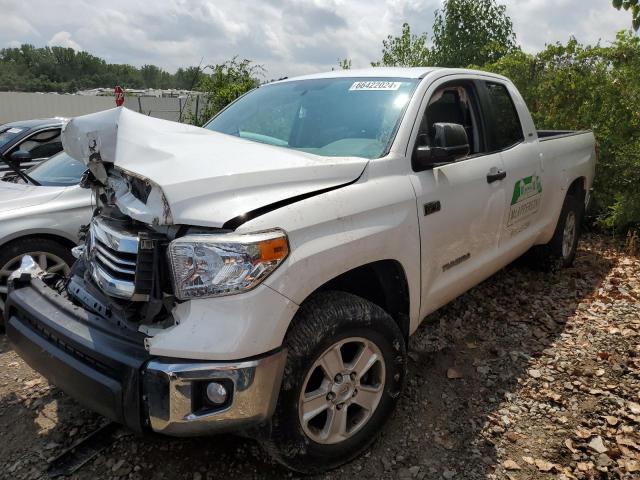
{"points": [[224, 264]]}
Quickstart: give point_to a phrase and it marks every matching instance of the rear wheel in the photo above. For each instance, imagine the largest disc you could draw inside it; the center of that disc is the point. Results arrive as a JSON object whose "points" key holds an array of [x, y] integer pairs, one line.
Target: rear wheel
{"points": [[560, 252], [50, 255], [345, 370]]}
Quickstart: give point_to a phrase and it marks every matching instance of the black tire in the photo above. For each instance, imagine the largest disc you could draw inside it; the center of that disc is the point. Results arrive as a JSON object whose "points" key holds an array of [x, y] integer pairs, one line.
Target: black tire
{"points": [[553, 255], [322, 321], [23, 246]]}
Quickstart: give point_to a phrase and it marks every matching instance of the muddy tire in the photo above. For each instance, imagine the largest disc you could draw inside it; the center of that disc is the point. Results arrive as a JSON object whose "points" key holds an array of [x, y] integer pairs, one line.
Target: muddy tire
{"points": [[344, 374], [560, 252], [54, 256]]}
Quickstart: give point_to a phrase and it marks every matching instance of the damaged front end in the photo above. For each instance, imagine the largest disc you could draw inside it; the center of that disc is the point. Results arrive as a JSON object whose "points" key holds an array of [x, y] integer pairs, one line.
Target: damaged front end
{"points": [[122, 272]]}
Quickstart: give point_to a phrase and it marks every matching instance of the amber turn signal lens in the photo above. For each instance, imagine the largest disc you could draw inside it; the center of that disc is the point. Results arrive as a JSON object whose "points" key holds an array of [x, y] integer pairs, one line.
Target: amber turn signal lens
{"points": [[275, 249]]}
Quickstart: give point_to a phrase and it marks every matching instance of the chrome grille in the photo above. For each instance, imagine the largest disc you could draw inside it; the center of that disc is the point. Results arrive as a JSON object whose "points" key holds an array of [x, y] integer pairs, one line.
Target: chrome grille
{"points": [[113, 258]]}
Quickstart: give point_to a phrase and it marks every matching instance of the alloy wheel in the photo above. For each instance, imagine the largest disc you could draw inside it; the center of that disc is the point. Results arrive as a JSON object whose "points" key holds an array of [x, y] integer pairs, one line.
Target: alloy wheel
{"points": [[342, 390], [47, 261]]}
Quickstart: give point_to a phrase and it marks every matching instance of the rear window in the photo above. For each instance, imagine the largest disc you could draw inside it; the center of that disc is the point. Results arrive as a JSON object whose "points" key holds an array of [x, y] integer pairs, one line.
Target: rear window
{"points": [[507, 128]]}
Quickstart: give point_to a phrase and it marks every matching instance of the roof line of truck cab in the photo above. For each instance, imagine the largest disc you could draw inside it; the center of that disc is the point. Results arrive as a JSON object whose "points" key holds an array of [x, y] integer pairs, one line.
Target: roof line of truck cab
{"points": [[393, 72]]}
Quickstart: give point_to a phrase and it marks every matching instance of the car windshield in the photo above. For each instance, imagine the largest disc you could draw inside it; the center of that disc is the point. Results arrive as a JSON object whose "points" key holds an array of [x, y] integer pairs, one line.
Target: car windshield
{"points": [[329, 117], [9, 133], [60, 170]]}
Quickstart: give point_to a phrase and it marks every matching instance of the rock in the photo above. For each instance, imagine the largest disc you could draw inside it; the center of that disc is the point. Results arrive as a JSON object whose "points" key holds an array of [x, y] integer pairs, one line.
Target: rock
{"points": [[585, 466], [115, 466], [453, 373], [414, 470], [534, 373], [404, 474], [597, 445], [511, 465], [604, 460], [448, 474], [513, 437], [543, 465], [634, 407]]}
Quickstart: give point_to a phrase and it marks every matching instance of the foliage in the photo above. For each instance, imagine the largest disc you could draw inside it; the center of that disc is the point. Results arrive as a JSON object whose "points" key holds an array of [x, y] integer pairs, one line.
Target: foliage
{"points": [[465, 32], [471, 32], [634, 7], [573, 86], [64, 70], [344, 63], [226, 82], [407, 50]]}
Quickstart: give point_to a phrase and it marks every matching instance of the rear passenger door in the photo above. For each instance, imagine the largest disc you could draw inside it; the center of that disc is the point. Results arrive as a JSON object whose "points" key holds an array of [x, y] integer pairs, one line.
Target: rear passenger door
{"points": [[520, 154]]}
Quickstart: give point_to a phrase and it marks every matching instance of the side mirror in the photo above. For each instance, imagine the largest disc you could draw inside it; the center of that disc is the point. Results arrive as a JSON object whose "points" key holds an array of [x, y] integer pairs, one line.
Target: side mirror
{"points": [[450, 143], [20, 156]]}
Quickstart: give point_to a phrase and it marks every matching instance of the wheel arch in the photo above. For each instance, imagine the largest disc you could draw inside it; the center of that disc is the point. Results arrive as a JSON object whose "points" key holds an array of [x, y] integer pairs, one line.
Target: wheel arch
{"points": [[382, 282], [64, 241], [577, 188]]}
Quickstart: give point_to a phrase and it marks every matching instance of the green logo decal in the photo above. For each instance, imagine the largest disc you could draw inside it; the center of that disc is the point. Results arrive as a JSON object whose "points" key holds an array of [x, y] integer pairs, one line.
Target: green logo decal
{"points": [[525, 188], [526, 199]]}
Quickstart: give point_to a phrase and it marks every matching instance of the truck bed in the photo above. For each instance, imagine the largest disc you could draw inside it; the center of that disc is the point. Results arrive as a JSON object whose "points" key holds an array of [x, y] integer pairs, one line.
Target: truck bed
{"points": [[544, 135]]}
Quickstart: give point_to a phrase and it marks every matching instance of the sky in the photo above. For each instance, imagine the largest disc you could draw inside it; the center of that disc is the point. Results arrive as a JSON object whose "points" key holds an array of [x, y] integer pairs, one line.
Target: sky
{"points": [[288, 37]]}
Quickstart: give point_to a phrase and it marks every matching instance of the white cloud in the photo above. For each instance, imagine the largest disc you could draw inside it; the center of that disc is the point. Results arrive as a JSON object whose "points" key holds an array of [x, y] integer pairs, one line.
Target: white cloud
{"points": [[289, 37], [63, 39]]}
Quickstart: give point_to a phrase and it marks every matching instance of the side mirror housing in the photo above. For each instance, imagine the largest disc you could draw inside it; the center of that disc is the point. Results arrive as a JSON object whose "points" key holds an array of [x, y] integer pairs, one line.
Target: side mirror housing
{"points": [[450, 143], [20, 156]]}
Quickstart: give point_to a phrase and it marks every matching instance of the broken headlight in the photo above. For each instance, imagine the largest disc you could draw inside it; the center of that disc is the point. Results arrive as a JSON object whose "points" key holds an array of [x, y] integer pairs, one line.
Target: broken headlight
{"points": [[224, 264]]}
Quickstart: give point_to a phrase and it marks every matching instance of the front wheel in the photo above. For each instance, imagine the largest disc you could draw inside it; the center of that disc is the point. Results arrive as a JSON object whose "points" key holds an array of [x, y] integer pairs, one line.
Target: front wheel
{"points": [[344, 373]]}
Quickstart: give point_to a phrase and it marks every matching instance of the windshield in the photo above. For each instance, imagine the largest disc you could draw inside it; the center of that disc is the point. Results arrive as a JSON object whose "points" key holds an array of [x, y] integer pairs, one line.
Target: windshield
{"points": [[9, 133], [329, 117], [61, 170]]}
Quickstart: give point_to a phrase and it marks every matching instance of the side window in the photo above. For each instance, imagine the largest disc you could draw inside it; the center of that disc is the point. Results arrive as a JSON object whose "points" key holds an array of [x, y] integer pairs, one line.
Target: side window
{"points": [[453, 104], [507, 127], [42, 144]]}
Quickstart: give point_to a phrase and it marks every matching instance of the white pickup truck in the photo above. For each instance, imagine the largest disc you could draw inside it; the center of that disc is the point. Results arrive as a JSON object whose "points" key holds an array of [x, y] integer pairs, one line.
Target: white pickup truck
{"points": [[264, 273]]}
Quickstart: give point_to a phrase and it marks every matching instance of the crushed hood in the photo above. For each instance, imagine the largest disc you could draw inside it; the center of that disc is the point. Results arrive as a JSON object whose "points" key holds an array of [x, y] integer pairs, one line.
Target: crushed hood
{"points": [[207, 178], [19, 195]]}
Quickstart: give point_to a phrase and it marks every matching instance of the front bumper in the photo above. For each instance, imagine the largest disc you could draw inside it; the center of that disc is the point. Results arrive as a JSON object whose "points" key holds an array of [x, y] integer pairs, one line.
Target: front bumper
{"points": [[108, 369], [173, 392]]}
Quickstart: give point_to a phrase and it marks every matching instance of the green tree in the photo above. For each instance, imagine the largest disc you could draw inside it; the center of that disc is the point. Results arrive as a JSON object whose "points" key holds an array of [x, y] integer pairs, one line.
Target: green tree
{"points": [[407, 50], [634, 7], [471, 32], [225, 82], [59, 69], [344, 63]]}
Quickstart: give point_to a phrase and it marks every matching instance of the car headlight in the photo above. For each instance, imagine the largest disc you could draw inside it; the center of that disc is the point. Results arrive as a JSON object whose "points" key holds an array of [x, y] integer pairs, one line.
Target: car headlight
{"points": [[212, 265]]}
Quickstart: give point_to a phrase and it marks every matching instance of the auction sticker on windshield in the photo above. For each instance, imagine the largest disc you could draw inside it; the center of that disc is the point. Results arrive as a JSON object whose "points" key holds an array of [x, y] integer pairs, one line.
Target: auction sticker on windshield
{"points": [[375, 85], [527, 193]]}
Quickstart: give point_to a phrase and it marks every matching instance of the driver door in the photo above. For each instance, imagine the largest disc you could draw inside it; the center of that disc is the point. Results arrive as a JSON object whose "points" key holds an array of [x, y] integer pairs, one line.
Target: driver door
{"points": [[460, 205]]}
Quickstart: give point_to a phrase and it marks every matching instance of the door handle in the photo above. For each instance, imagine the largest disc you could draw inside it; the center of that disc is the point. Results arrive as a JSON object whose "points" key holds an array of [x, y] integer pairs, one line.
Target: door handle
{"points": [[495, 175]]}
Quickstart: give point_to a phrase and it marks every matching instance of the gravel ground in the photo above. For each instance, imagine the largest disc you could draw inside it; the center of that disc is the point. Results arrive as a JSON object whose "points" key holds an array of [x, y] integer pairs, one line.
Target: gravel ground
{"points": [[528, 375]]}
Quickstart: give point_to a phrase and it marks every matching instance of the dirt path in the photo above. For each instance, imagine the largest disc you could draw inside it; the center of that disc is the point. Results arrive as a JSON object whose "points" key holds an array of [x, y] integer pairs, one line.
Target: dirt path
{"points": [[529, 375]]}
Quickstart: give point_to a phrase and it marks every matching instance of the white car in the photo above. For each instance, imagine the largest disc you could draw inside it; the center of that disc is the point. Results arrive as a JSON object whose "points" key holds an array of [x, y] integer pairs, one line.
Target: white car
{"points": [[42, 220], [264, 273]]}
